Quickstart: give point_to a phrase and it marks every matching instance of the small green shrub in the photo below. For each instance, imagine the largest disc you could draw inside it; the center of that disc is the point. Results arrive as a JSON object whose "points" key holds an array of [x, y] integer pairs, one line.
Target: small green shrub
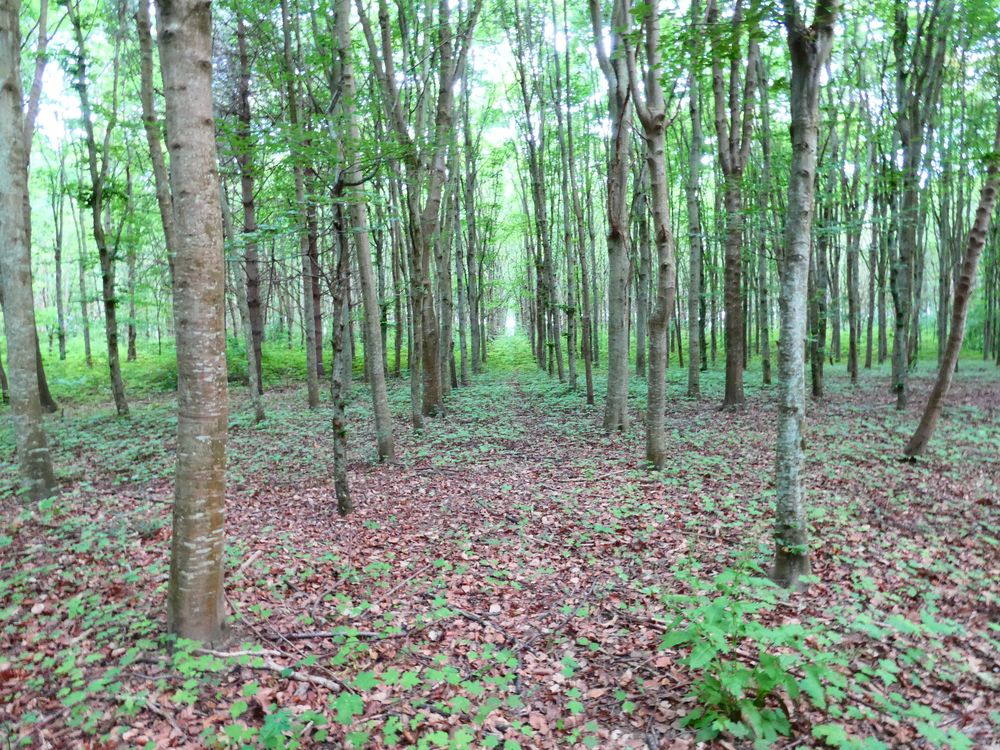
{"points": [[744, 668]]}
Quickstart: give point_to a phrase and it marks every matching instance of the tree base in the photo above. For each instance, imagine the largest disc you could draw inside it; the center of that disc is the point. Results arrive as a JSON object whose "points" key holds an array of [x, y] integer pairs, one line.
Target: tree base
{"points": [[788, 570]]}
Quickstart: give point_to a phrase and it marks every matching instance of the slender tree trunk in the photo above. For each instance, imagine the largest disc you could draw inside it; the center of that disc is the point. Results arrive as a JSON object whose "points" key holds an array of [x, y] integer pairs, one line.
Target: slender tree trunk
{"points": [[810, 49], [82, 266], [195, 595], [239, 285], [734, 127], [58, 221], [651, 111], [570, 306], [244, 159], [463, 305], [342, 359], [298, 169], [151, 126], [586, 319], [872, 273], [4, 388], [359, 218], [616, 72], [98, 178], [695, 262], [963, 293], [644, 271], [764, 199]]}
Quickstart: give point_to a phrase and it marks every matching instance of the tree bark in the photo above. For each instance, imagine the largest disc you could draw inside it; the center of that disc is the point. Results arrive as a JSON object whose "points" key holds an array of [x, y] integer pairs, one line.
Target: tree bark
{"points": [[151, 125], [16, 297], [342, 360], [963, 293], [734, 127], [695, 261], [244, 159], [810, 49], [651, 111], [239, 285], [195, 594], [98, 179], [615, 70], [358, 210], [297, 146]]}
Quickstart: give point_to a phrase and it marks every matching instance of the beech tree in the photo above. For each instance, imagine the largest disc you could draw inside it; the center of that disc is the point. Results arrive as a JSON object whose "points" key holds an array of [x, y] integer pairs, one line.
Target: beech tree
{"points": [[963, 291], [810, 48], [16, 298], [651, 110], [615, 68], [733, 97], [195, 607]]}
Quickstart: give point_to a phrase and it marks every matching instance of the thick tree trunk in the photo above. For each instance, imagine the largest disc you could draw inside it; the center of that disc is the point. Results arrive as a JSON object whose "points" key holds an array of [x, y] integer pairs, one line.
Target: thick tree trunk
{"points": [[16, 298], [195, 595], [963, 293], [810, 48]]}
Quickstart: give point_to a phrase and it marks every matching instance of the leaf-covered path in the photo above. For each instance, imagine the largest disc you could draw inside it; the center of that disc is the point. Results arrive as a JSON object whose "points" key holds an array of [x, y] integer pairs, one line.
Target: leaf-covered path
{"points": [[511, 580]]}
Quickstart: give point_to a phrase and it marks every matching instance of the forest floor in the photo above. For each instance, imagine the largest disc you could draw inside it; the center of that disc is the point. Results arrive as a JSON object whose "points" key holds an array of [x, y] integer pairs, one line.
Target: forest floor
{"points": [[518, 579]]}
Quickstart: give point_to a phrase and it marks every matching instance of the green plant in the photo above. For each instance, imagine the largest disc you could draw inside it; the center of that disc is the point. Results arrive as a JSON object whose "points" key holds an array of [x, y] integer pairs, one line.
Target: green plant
{"points": [[744, 668]]}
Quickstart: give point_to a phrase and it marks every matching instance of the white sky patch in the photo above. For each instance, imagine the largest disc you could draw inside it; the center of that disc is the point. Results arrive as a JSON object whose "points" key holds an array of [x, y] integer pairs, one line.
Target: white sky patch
{"points": [[58, 104]]}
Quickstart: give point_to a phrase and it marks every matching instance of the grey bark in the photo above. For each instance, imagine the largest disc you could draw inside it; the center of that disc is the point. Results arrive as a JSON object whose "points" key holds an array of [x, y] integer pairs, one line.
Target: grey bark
{"points": [[810, 48], [16, 297], [195, 594]]}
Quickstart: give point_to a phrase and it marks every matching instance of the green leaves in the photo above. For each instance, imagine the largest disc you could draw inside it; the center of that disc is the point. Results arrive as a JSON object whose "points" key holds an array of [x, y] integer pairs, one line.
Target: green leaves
{"points": [[347, 705], [732, 693]]}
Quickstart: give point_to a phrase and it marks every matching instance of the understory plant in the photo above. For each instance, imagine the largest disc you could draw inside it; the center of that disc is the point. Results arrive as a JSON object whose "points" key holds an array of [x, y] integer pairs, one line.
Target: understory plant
{"points": [[749, 663]]}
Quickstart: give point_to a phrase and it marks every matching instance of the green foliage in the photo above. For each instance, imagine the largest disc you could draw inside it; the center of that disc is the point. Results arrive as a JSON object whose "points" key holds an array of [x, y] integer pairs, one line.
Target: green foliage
{"points": [[744, 669]]}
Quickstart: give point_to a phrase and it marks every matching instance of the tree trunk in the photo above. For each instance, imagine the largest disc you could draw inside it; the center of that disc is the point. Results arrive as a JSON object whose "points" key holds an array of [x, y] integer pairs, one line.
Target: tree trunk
{"points": [[651, 111], [98, 178], [296, 147], [810, 49], [385, 443], [81, 262], [734, 127], [16, 298], [963, 293], [616, 72], [695, 262], [195, 595], [244, 159], [342, 360], [239, 286], [152, 128]]}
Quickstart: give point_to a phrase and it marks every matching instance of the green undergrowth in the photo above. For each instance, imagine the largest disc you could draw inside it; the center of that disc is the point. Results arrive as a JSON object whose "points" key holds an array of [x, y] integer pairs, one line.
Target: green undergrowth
{"points": [[683, 551]]}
